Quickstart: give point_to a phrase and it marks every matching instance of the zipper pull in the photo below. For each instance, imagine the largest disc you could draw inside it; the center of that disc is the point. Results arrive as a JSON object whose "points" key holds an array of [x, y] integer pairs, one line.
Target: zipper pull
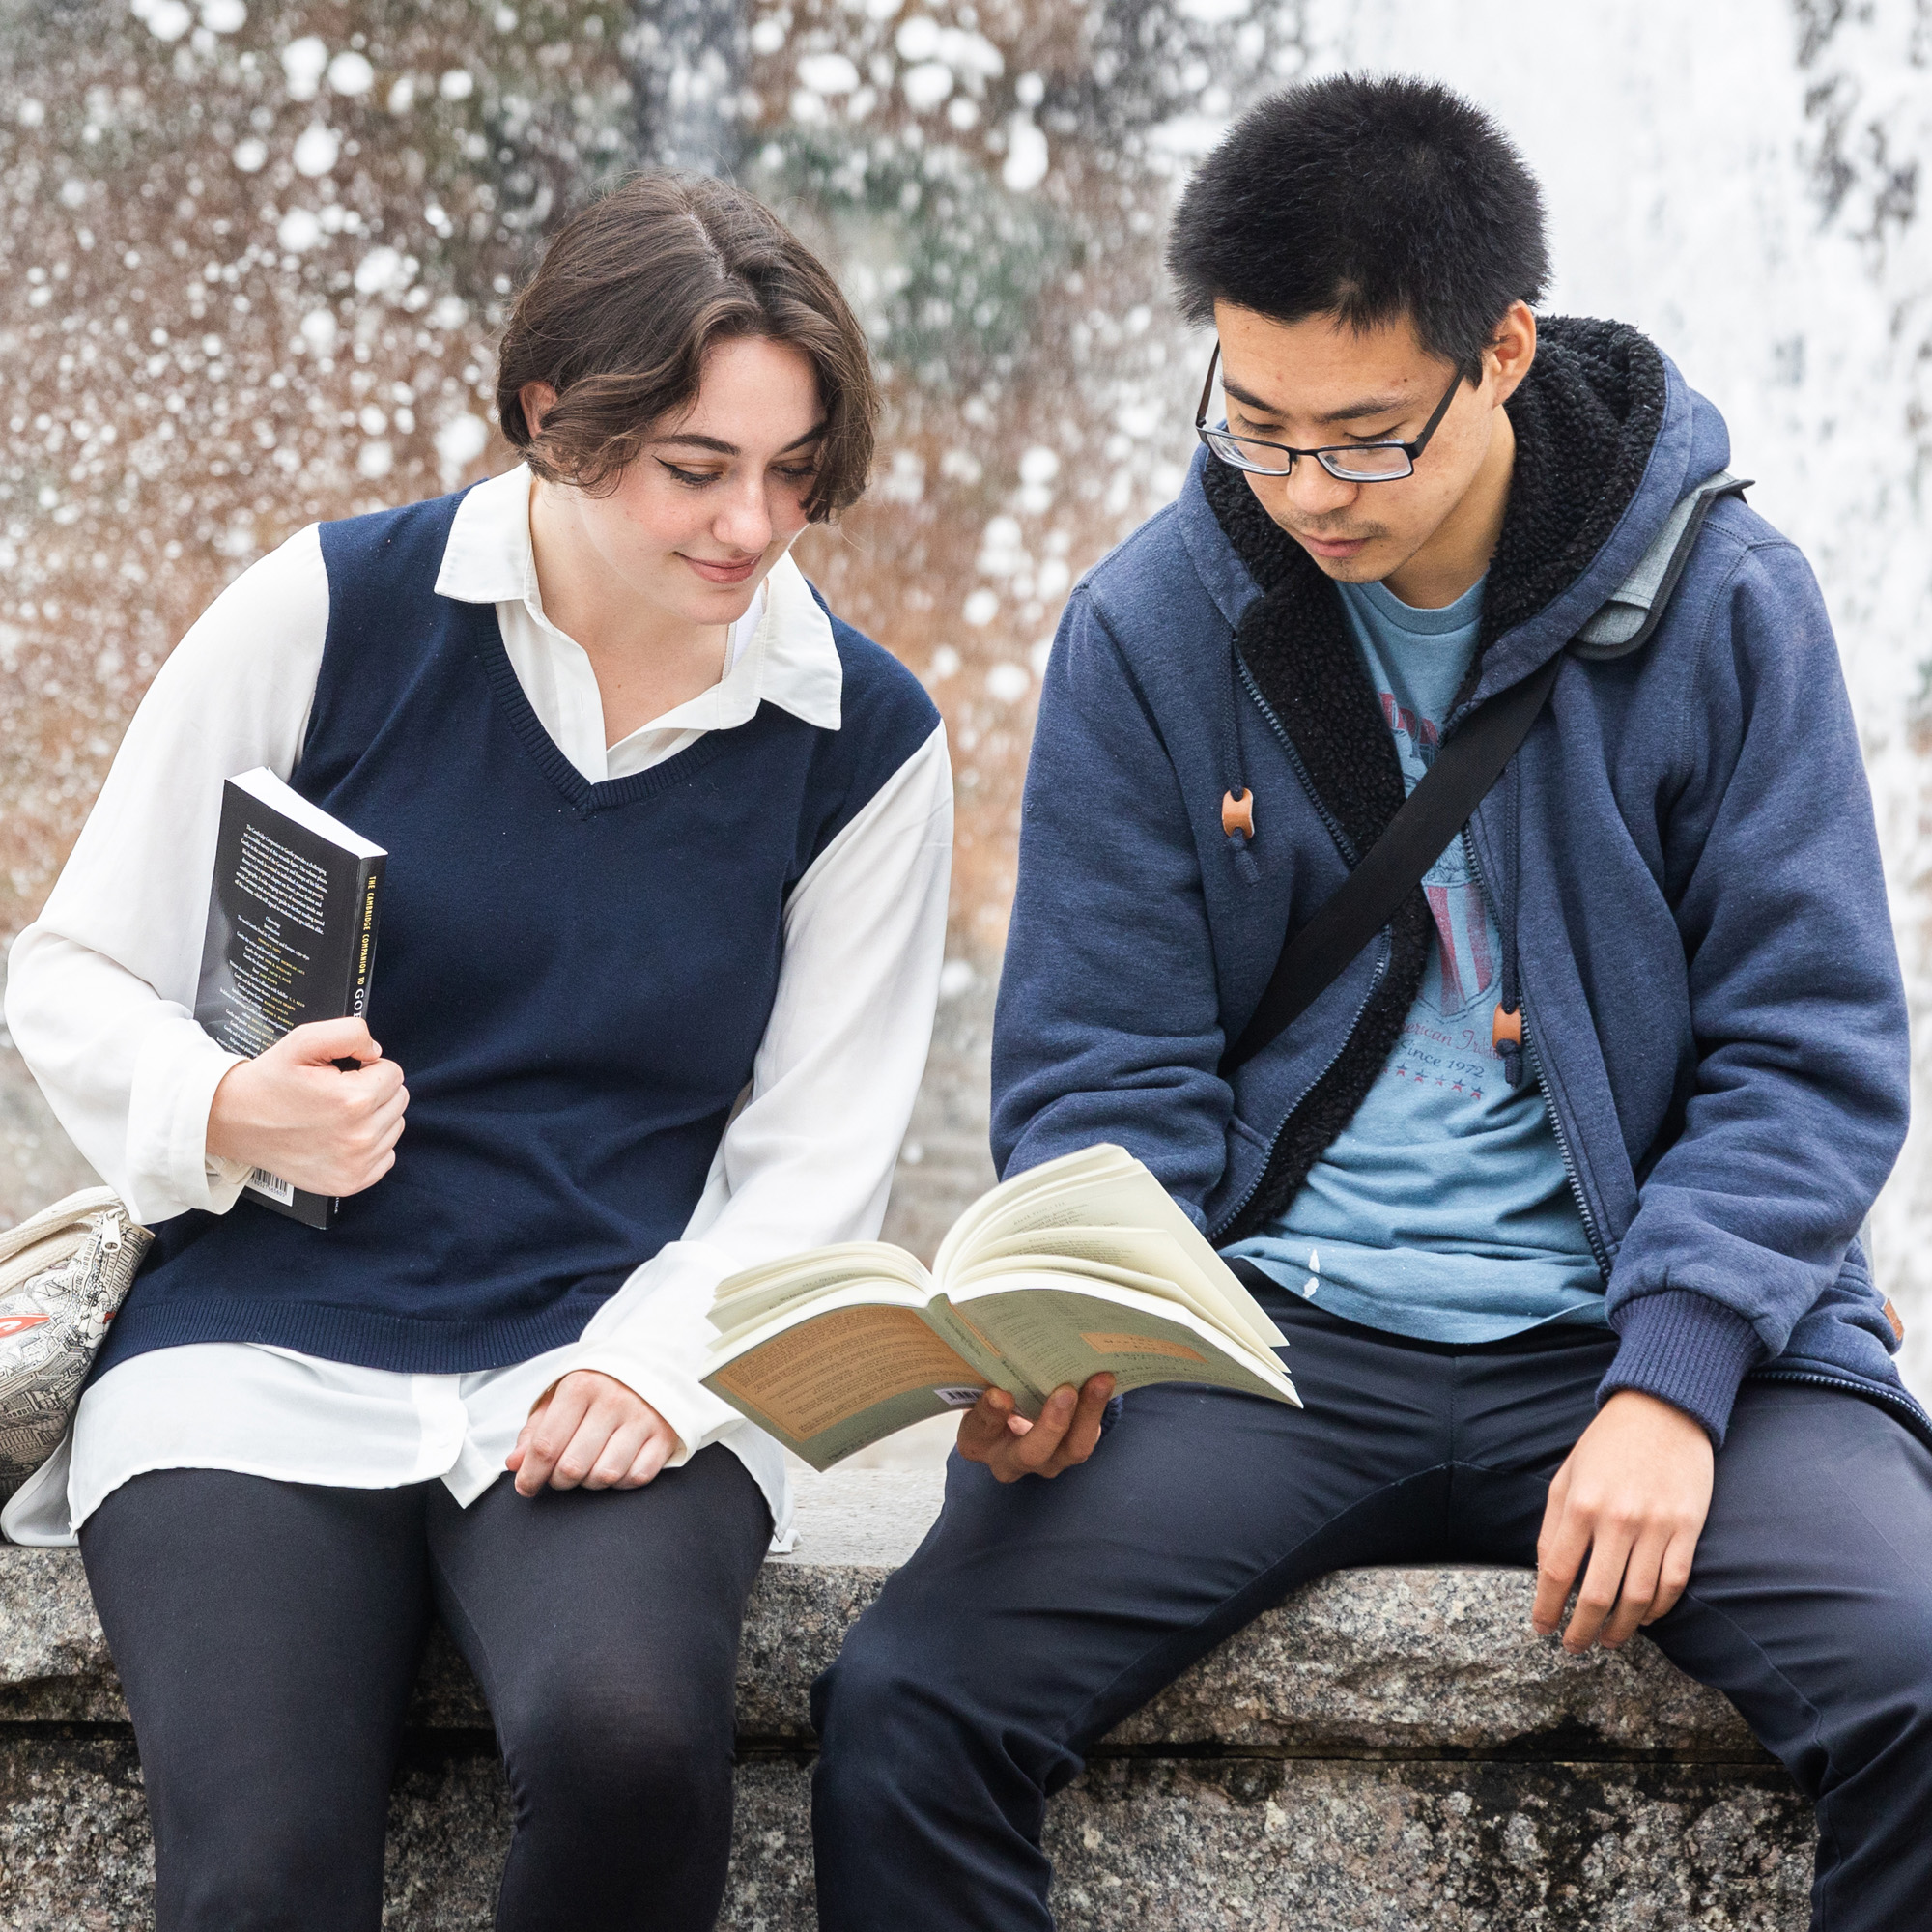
{"points": [[1506, 1041]]}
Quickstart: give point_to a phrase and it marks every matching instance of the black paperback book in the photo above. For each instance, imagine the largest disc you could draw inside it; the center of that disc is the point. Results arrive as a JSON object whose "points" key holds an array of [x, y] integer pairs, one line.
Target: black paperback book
{"points": [[291, 936]]}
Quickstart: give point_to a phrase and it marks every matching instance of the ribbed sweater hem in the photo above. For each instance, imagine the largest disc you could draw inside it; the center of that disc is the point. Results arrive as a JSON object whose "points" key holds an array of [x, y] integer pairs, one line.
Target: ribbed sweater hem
{"points": [[361, 1337], [1686, 1350]]}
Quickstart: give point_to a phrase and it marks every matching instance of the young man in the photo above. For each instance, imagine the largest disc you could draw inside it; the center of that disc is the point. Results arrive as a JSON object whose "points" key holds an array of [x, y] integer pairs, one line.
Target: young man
{"points": [[1555, 1188]]}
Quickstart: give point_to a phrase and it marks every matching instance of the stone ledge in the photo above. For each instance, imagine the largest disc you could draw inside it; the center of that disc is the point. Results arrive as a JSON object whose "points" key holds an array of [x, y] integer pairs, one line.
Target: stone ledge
{"points": [[1388, 1748], [1422, 1662]]}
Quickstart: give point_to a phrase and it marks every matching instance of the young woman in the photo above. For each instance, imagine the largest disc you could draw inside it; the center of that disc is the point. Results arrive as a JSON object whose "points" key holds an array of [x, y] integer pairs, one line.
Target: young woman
{"points": [[661, 933]]}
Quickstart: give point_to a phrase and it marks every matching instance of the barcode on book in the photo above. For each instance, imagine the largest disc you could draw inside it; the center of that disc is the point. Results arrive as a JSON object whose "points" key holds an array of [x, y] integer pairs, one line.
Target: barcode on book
{"points": [[272, 1185], [959, 1398]]}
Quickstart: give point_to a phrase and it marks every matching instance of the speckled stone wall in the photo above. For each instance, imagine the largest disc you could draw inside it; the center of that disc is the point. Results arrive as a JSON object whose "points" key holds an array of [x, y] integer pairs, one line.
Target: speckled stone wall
{"points": [[1186, 1846], [1391, 1747]]}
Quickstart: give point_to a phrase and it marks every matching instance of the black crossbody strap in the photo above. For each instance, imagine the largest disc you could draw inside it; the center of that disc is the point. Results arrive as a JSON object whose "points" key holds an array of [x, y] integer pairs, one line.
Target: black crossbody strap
{"points": [[1465, 767]]}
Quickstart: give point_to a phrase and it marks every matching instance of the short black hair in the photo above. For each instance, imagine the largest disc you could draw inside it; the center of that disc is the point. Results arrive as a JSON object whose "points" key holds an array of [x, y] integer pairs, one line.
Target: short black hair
{"points": [[1368, 197]]}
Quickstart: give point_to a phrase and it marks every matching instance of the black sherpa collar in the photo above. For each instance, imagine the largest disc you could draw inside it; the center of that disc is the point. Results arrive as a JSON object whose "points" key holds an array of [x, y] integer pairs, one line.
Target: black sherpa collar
{"points": [[1586, 418], [1297, 644]]}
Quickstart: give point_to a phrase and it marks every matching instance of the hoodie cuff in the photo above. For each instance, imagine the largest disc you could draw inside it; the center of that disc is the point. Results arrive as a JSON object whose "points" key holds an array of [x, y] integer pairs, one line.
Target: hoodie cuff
{"points": [[1686, 1350]]}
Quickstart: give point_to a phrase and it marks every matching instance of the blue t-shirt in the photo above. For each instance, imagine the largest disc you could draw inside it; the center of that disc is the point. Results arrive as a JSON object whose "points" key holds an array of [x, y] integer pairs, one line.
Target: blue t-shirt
{"points": [[1442, 1210]]}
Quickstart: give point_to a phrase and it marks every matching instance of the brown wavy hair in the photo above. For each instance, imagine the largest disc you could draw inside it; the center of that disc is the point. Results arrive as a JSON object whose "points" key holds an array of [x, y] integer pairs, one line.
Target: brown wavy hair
{"points": [[631, 293]]}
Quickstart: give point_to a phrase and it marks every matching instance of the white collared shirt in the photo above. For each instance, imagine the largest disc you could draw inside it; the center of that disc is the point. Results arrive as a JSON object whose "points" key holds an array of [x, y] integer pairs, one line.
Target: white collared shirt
{"points": [[101, 995]]}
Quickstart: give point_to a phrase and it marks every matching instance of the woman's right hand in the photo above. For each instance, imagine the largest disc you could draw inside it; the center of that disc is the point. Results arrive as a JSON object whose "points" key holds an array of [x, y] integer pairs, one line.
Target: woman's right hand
{"points": [[297, 1114]]}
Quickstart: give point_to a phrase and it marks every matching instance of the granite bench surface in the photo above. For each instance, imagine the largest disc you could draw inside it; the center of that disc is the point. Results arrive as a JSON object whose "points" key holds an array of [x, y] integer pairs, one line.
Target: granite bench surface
{"points": [[1391, 1747]]}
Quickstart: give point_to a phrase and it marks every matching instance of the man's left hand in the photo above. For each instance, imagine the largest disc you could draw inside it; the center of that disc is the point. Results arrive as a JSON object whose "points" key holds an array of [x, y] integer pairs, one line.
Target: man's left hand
{"points": [[1632, 1496], [590, 1429]]}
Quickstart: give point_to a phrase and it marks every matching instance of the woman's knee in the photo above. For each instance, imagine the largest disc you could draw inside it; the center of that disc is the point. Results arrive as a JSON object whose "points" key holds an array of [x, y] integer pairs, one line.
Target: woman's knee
{"points": [[623, 1806], [614, 1745]]}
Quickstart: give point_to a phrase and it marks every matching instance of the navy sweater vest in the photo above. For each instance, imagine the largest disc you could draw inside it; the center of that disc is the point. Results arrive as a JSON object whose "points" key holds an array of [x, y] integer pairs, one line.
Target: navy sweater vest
{"points": [[573, 976]]}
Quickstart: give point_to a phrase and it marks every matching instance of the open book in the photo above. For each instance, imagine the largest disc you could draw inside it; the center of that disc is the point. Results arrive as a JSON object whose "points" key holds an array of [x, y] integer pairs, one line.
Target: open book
{"points": [[1067, 1270]]}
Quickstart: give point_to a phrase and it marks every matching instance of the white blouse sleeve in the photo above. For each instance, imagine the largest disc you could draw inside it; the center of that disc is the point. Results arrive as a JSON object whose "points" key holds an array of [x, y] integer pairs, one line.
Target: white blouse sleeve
{"points": [[807, 1160], [100, 987]]}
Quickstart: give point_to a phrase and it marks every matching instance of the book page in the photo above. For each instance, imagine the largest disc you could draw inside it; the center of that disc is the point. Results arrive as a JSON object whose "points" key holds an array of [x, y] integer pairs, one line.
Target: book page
{"points": [[279, 796], [1000, 1276], [1137, 1199], [842, 1380], [1153, 1257], [1102, 1187], [1061, 1334], [1005, 1209], [755, 1295]]}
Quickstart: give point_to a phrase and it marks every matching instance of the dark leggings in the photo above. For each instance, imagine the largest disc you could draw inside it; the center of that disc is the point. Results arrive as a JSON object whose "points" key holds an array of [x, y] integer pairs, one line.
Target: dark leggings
{"points": [[267, 1633]]}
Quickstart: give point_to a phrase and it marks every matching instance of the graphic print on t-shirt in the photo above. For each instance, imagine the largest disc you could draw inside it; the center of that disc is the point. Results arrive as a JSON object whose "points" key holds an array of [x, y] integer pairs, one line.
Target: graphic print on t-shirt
{"points": [[1445, 1040], [1465, 958]]}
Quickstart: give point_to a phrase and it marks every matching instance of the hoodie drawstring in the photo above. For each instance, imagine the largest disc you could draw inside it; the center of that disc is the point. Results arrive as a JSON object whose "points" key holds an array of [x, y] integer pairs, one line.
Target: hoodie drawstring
{"points": [[1506, 1029], [1238, 802]]}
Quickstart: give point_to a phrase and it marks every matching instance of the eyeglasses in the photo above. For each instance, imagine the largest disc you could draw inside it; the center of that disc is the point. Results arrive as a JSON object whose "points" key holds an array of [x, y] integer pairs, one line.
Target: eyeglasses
{"points": [[1349, 462]]}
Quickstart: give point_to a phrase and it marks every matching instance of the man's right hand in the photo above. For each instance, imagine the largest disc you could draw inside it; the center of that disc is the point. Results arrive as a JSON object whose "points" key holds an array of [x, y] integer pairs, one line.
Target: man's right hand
{"points": [[293, 1112], [1012, 1447]]}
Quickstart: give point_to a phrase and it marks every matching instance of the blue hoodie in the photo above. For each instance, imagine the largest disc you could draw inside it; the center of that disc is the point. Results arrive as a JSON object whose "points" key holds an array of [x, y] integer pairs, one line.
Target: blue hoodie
{"points": [[1680, 857]]}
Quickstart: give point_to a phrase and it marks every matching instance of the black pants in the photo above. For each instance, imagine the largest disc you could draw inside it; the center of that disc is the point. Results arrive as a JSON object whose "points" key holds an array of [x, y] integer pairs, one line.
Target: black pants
{"points": [[1036, 1615], [267, 1634]]}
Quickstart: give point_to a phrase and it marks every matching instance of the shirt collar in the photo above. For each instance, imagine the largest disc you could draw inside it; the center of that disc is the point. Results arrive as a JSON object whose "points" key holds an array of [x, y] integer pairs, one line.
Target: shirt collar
{"points": [[791, 661], [487, 556]]}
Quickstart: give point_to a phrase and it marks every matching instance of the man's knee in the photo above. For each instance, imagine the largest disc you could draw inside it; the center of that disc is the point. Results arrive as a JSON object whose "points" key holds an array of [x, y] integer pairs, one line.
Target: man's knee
{"points": [[1835, 1679], [916, 1695], [886, 1678], [1881, 1715]]}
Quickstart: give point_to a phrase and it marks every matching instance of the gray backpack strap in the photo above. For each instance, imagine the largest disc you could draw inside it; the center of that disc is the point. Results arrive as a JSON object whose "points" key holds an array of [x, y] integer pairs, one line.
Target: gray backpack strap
{"points": [[1637, 605]]}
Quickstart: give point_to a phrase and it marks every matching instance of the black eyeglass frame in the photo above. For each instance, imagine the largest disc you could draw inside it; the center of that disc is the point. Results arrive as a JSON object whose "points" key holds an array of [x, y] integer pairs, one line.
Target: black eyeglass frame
{"points": [[1410, 450]]}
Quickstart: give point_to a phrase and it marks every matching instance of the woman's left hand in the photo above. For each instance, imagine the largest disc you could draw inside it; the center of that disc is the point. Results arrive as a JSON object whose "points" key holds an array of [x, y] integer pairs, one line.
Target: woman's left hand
{"points": [[591, 1430]]}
